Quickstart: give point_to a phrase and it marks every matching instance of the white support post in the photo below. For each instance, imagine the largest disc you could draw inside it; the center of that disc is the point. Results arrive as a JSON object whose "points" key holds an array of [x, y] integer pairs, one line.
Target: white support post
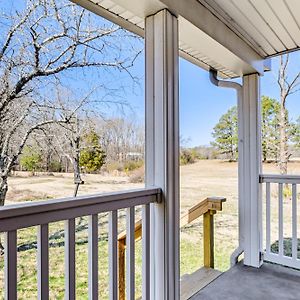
{"points": [[250, 168], [162, 151]]}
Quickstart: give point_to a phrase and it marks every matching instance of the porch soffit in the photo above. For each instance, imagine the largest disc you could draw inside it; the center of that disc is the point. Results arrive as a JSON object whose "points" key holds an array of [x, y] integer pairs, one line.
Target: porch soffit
{"points": [[235, 38]]}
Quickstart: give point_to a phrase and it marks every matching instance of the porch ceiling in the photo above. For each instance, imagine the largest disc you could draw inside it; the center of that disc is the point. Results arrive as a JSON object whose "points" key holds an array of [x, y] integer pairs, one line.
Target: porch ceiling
{"points": [[233, 37], [269, 26]]}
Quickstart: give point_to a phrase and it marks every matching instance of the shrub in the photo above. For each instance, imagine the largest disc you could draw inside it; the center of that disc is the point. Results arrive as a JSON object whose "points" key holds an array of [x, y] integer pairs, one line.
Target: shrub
{"points": [[30, 159], [127, 167], [132, 165], [137, 176], [55, 166], [186, 157], [92, 157], [114, 166]]}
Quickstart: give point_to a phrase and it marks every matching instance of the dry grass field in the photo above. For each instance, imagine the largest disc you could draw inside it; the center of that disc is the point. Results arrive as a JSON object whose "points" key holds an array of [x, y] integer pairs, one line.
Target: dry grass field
{"points": [[198, 181]]}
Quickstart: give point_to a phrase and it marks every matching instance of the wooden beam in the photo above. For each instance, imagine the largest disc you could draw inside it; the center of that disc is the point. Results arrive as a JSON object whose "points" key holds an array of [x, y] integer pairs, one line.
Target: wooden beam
{"points": [[121, 255], [208, 204], [137, 233], [191, 284], [211, 203], [207, 207], [208, 239]]}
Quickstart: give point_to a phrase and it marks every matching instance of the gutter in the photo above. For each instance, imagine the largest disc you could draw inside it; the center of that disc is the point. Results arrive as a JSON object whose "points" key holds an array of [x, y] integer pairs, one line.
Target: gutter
{"points": [[239, 90]]}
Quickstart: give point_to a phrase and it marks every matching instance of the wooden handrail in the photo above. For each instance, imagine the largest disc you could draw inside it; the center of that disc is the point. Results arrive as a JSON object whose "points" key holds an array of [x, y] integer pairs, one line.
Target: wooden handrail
{"points": [[23, 215], [206, 208], [211, 203]]}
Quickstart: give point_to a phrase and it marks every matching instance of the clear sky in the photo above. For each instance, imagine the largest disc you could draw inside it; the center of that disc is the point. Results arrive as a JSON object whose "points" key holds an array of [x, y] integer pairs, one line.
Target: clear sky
{"points": [[201, 103]]}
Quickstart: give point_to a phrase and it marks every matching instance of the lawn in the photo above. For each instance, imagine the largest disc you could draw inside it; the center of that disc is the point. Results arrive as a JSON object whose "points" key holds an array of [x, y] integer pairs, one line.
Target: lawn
{"points": [[198, 181]]}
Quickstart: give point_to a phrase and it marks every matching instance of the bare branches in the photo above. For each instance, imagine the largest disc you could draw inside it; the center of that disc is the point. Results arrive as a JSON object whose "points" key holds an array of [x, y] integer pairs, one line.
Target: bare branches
{"points": [[292, 86], [41, 43], [61, 36], [16, 27], [287, 87]]}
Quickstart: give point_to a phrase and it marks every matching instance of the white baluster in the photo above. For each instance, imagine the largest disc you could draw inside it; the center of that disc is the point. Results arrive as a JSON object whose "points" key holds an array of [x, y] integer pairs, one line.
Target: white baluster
{"points": [[113, 255], [10, 270], [70, 259], [146, 252], [294, 220], [43, 261], [130, 254], [280, 219], [268, 218], [93, 257]]}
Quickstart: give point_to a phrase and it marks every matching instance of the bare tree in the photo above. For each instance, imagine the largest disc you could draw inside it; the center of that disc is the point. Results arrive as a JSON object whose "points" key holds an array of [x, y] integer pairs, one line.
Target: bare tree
{"points": [[287, 87], [69, 135], [37, 45], [120, 136]]}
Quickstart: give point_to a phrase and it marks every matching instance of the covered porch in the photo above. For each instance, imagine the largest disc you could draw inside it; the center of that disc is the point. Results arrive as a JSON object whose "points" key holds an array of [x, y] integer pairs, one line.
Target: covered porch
{"points": [[216, 36], [242, 282]]}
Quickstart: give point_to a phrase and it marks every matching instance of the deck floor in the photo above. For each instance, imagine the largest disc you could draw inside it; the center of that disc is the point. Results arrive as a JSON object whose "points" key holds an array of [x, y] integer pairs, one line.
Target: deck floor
{"points": [[270, 282]]}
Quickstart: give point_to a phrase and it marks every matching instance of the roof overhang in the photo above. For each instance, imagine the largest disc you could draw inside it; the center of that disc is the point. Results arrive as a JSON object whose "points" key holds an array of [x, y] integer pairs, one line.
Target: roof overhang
{"points": [[209, 36]]}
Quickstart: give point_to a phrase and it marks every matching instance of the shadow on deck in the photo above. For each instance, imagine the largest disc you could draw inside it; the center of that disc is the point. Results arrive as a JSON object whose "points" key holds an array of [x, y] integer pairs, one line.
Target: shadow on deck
{"points": [[270, 282]]}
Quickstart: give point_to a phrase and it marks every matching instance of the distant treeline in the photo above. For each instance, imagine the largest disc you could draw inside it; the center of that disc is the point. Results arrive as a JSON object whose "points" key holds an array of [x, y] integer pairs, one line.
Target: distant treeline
{"points": [[91, 146], [280, 141]]}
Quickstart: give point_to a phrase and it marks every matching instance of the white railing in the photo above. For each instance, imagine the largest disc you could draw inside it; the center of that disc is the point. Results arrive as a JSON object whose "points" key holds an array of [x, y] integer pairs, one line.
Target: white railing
{"points": [[280, 212], [42, 213]]}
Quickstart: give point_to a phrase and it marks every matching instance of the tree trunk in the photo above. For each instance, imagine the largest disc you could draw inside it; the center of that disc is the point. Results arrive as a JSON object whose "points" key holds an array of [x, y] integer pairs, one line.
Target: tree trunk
{"points": [[283, 155], [3, 189], [76, 168], [77, 176], [3, 192], [48, 161], [264, 152]]}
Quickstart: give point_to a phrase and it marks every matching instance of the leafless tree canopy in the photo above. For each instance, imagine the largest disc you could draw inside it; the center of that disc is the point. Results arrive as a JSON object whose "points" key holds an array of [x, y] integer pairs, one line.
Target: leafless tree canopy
{"points": [[287, 86]]}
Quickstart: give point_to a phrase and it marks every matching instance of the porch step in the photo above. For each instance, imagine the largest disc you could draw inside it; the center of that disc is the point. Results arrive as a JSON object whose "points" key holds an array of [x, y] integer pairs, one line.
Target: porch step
{"points": [[190, 284]]}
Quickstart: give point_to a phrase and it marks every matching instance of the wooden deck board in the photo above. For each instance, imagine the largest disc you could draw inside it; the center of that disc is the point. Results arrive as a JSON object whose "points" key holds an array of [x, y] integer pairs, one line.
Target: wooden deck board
{"points": [[193, 283]]}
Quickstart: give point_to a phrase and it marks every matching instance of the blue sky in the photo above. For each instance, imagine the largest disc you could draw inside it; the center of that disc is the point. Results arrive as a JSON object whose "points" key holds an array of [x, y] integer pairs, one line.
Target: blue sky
{"points": [[201, 103]]}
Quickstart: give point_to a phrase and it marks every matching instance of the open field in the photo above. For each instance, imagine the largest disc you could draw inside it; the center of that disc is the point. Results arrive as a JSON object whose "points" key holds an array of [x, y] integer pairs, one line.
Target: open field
{"points": [[24, 187], [198, 181]]}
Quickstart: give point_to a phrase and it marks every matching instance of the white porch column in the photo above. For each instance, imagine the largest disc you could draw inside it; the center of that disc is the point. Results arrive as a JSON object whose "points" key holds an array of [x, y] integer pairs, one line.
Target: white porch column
{"points": [[162, 151], [250, 168]]}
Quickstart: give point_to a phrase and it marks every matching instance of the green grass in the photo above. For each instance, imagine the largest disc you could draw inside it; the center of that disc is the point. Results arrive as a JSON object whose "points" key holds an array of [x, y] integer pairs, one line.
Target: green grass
{"points": [[191, 256], [191, 247], [191, 260], [27, 262]]}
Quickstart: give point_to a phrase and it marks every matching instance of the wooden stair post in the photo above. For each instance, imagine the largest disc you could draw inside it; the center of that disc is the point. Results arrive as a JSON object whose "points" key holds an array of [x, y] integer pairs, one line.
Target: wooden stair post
{"points": [[121, 249], [208, 239], [206, 208]]}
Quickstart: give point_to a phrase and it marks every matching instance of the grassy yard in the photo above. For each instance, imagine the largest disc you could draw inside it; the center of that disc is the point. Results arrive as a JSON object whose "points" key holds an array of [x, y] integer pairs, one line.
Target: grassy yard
{"points": [[198, 181]]}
